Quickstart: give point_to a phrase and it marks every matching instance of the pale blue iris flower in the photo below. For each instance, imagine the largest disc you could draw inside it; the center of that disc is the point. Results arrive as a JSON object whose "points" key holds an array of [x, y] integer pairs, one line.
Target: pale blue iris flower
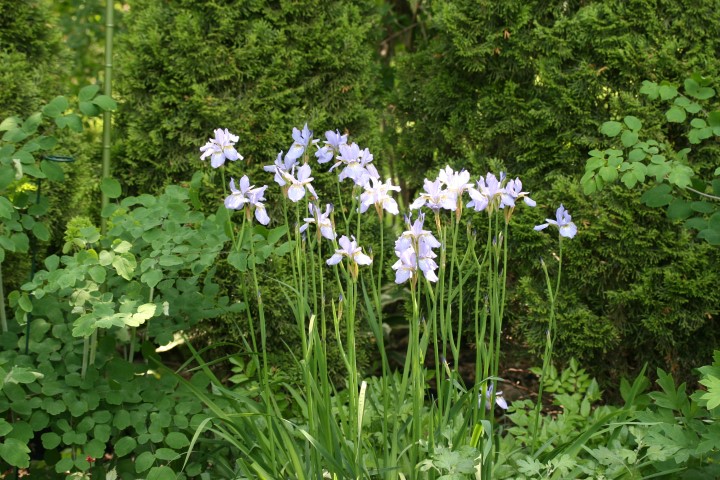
{"points": [[414, 252], [378, 193], [350, 249], [322, 220], [513, 191], [434, 197], [299, 183], [221, 148], [332, 146], [499, 399], [281, 165], [302, 139], [249, 198], [563, 221], [355, 162]]}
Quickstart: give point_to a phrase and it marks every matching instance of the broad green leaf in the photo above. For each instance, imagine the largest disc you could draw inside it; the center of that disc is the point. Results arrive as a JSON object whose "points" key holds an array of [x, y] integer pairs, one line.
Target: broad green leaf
{"points": [[52, 171], [636, 155], [10, 123], [97, 273], [657, 196], [675, 115], [694, 89], [702, 207], [124, 446], [176, 440], [89, 109], [6, 208], [125, 265], [680, 175], [111, 187], [588, 183], [56, 107], [710, 235], [238, 260], [122, 247], [693, 107], [15, 453], [50, 440], [633, 123], [667, 92], [144, 461], [144, 313], [105, 102], [152, 277], [608, 174], [25, 303], [71, 121], [7, 176], [166, 454], [15, 135], [696, 223], [30, 125], [94, 448], [41, 232], [22, 375], [698, 123], [679, 209], [713, 119], [161, 473], [46, 142], [592, 164], [5, 427], [628, 138], [650, 89], [611, 129], [88, 92]]}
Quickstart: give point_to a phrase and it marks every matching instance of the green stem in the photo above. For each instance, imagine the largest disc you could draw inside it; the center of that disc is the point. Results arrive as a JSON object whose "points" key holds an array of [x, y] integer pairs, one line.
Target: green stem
{"points": [[3, 318], [107, 122], [549, 341]]}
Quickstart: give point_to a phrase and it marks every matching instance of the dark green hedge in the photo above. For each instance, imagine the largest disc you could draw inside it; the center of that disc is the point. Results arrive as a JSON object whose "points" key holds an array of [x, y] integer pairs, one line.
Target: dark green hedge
{"points": [[525, 85], [257, 68]]}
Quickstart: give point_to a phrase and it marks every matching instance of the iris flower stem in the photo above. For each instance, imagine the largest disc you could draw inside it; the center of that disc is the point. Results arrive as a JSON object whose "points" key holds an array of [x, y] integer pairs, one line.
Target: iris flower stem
{"points": [[455, 344], [549, 340], [416, 367], [263, 345], [440, 358]]}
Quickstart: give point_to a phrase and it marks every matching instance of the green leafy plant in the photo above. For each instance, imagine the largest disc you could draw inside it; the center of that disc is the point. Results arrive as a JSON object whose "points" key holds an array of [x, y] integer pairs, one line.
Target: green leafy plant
{"points": [[663, 160]]}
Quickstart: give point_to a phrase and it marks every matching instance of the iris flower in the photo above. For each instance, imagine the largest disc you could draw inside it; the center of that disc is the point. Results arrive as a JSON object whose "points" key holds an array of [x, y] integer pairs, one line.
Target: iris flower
{"points": [[281, 165], [349, 248], [434, 197], [249, 198], [563, 221], [322, 220], [332, 146], [302, 139], [456, 183], [221, 148], [513, 191], [488, 193], [377, 193], [298, 184], [355, 161], [414, 251], [499, 399]]}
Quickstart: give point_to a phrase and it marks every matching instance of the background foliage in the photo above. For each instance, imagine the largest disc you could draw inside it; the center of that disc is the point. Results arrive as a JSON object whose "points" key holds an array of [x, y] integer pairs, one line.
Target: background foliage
{"points": [[524, 87]]}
